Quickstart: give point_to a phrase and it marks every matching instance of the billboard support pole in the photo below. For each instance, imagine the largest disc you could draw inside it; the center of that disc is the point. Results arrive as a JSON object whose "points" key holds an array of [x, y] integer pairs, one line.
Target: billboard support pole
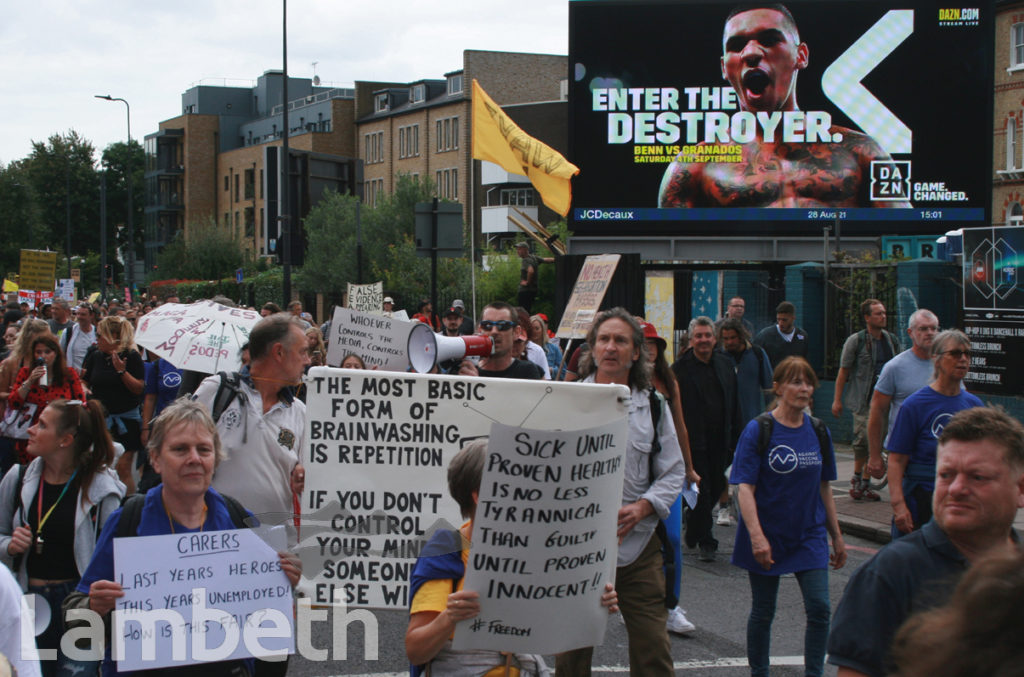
{"points": [[825, 289]]}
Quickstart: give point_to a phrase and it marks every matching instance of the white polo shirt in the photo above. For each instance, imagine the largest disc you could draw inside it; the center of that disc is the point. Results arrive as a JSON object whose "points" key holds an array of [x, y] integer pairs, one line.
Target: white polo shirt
{"points": [[261, 449]]}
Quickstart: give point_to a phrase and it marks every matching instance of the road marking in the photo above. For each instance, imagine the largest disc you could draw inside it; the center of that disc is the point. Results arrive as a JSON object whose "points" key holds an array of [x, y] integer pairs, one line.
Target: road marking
{"points": [[860, 548], [739, 662]]}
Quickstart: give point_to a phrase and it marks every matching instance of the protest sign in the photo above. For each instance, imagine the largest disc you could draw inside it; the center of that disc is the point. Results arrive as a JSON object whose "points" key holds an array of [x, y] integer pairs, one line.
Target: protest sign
{"points": [[366, 298], [199, 597], [376, 465], [38, 269], [66, 289], [587, 294], [544, 544], [380, 341]]}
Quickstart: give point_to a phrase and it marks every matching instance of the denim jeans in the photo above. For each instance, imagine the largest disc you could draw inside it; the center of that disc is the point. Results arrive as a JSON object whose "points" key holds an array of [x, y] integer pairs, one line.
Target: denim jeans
{"points": [[54, 595], [764, 591]]}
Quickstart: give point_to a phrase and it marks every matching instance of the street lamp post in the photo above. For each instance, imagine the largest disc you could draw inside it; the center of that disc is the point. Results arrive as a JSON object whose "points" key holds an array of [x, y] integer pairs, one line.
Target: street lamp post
{"points": [[131, 213]]}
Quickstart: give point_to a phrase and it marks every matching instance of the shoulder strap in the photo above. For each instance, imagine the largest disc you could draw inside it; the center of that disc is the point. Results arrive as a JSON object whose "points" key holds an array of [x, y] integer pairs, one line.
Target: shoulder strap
{"points": [[131, 515], [821, 430], [236, 511], [17, 504], [656, 406], [765, 422], [226, 393]]}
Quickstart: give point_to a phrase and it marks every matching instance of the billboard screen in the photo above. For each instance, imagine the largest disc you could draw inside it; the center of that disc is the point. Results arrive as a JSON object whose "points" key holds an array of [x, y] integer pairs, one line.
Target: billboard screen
{"points": [[994, 308], [684, 121]]}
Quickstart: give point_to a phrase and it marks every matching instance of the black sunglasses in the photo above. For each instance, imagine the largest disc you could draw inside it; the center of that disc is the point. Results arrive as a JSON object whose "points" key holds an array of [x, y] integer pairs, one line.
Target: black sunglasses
{"points": [[502, 325], [958, 353]]}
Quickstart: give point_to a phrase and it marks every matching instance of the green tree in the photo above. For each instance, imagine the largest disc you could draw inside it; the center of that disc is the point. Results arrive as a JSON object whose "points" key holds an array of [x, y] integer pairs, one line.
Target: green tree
{"points": [[210, 253], [62, 170], [331, 244], [20, 218], [115, 161]]}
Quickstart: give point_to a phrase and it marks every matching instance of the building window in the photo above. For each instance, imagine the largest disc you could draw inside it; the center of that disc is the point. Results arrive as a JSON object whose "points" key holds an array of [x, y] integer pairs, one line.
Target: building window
{"points": [[250, 184], [447, 134], [455, 84], [409, 141], [250, 221], [447, 183], [1017, 45], [227, 184], [372, 190], [374, 152], [1011, 144], [417, 93], [380, 103], [519, 197], [237, 193], [1015, 214]]}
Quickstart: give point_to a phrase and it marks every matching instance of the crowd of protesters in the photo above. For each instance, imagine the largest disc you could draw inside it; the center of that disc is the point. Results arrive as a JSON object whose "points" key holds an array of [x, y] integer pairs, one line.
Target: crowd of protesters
{"points": [[90, 419]]}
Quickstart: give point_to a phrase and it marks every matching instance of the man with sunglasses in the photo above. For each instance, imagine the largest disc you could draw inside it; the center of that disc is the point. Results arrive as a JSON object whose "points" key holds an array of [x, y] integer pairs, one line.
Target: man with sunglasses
{"points": [[914, 437], [500, 321]]}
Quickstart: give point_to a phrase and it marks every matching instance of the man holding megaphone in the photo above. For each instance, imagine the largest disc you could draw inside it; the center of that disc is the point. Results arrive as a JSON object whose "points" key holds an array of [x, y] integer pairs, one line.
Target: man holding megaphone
{"points": [[500, 322]]}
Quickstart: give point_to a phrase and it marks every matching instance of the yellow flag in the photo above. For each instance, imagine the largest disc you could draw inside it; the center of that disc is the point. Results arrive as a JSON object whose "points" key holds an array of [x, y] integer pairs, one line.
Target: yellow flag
{"points": [[9, 286], [499, 140]]}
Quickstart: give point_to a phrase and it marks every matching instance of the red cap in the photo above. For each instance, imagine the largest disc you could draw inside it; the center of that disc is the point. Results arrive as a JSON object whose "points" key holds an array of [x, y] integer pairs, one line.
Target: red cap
{"points": [[651, 333]]}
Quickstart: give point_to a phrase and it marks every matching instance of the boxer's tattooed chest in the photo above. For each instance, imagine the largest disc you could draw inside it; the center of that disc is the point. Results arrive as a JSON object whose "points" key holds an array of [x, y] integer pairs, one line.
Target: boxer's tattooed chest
{"points": [[786, 175]]}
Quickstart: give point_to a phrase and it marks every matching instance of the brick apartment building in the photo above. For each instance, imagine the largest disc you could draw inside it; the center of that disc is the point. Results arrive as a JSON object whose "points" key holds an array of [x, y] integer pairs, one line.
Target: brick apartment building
{"points": [[218, 159], [1008, 109]]}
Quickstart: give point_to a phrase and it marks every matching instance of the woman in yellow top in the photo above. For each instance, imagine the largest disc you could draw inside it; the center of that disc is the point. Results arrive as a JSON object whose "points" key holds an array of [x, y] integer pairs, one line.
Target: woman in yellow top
{"points": [[439, 602]]}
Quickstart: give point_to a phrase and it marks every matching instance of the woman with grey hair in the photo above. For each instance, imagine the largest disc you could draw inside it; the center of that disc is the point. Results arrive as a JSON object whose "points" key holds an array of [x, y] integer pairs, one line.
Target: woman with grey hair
{"points": [[654, 477], [184, 448], [914, 437], [438, 598]]}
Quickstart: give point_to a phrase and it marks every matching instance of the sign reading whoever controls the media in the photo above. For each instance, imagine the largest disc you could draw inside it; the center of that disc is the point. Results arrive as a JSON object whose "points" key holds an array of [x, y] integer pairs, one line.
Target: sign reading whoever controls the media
{"points": [[544, 543], [199, 597], [870, 111], [376, 466], [381, 341]]}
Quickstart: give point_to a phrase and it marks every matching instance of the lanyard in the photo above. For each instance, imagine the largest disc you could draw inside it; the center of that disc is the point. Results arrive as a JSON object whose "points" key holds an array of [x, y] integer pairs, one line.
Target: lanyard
{"points": [[39, 506]]}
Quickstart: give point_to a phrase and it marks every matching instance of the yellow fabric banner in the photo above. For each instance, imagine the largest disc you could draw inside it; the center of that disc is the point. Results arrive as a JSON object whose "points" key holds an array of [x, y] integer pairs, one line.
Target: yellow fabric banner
{"points": [[499, 140], [9, 286]]}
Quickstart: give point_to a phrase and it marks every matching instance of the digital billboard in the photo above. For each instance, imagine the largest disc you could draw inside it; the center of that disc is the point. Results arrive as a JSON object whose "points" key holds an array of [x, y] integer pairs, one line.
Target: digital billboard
{"points": [[994, 308], [685, 120]]}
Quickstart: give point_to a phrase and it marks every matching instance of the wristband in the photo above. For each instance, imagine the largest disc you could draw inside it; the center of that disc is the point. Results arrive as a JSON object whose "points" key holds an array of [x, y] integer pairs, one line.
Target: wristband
{"points": [[121, 373]]}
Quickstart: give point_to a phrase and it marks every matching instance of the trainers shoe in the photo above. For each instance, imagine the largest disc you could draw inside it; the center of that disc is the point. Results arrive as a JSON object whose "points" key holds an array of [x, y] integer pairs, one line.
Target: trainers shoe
{"points": [[724, 518], [707, 553], [866, 493], [856, 493], [678, 623]]}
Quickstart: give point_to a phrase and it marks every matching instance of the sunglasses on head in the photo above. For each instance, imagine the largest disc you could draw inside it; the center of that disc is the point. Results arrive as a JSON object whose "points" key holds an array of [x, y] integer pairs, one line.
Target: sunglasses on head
{"points": [[502, 325]]}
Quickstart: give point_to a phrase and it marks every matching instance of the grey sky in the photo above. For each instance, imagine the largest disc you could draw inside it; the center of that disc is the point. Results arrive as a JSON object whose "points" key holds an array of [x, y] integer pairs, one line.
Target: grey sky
{"points": [[58, 53]]}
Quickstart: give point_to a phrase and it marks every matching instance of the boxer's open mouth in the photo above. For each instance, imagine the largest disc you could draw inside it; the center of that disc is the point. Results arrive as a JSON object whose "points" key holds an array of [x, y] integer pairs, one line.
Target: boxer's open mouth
{"points": [[756, 81]]}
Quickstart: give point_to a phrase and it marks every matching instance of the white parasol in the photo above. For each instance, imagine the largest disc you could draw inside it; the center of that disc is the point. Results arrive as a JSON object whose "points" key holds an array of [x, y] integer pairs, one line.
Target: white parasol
{"points": [[204, 336]]}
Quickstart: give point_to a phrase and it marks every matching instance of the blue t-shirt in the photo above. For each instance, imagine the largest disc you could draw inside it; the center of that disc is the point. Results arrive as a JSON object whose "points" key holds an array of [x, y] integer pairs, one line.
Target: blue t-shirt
{"points": [[921, 420], [163, 379], [787, 487], [153, 521], [901, 377]]}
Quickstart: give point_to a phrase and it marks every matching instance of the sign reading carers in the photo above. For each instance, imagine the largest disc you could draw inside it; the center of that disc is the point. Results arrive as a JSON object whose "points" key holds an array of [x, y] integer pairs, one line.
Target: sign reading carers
{"points": [[199, 597], [376, 466], [545, 545], [382, 342]]}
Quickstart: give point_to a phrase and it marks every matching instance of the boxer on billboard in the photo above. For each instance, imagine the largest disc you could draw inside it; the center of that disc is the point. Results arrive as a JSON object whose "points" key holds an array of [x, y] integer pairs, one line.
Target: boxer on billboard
{"points": [[761, 57]]}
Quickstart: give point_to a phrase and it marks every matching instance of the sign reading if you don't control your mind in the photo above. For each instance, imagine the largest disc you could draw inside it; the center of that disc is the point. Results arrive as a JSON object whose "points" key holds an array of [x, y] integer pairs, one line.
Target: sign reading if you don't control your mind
{"points": [[377, 460]]}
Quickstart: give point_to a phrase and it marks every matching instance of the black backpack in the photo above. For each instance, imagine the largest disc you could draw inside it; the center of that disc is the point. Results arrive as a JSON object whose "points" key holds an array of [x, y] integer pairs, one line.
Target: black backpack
{"points": [[230, 388], [765, 423], [131, 515]]}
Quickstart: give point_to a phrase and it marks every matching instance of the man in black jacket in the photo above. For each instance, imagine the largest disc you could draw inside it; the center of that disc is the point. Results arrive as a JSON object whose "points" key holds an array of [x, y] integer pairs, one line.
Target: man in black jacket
{"points": [[707, 386]]}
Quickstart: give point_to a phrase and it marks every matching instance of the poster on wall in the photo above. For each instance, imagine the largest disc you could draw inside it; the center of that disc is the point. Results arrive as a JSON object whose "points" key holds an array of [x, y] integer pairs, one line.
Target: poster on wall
{"points": [[994, 308], [766, 121]]}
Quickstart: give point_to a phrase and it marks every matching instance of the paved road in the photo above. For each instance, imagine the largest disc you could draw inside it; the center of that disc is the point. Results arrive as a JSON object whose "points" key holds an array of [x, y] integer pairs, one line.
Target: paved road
{"points": [[716, 596]]}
